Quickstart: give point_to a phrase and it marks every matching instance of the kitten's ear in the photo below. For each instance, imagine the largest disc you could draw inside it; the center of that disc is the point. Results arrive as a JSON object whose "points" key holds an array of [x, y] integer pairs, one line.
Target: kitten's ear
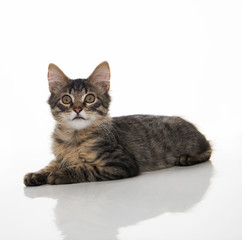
{"points": [[57, 79], [101, 77]]}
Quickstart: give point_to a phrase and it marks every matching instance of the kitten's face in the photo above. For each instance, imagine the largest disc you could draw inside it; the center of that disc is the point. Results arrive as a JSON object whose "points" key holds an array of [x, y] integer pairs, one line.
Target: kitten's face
{"points": [[78, 103]]}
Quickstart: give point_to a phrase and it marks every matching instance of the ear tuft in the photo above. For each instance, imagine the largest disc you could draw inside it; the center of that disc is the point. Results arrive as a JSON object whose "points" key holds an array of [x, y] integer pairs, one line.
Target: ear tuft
{"points": [[101, 77], [57, 79]]}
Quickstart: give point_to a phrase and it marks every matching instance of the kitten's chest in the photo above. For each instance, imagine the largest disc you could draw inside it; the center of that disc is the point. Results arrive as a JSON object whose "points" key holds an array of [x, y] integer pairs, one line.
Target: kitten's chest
{"points": [[74, 149]]}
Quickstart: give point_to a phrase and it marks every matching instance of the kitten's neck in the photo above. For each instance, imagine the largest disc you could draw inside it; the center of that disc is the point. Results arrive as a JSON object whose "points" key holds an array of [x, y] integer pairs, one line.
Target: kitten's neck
{"points": [[67, 133]]}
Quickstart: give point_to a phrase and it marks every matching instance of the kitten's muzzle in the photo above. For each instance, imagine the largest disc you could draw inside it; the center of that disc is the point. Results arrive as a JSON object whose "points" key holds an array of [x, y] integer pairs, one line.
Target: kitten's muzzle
{"points": [[78, 110]]}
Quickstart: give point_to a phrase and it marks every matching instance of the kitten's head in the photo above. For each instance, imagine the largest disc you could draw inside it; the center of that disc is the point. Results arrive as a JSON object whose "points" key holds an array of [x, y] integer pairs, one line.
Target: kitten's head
{"points": [[80, 102]]}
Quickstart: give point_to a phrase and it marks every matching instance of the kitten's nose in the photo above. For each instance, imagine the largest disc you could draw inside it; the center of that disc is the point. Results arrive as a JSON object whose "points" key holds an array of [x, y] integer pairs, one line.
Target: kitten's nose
{"points": [[77, 109]]}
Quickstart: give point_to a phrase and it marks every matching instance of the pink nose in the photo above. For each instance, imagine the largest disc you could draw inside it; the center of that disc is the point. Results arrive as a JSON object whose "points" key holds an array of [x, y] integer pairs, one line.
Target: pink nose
{"points": [[77, 109]]}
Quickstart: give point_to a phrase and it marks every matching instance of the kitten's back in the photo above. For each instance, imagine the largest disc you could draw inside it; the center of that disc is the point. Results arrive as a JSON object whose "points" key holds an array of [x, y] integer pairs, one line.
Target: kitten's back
{"points": [[159, 142]]}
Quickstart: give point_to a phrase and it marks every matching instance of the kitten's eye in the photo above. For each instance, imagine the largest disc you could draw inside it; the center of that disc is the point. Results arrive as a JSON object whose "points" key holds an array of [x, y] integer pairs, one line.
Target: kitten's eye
{"points": [[90, 98], [66, 99]]}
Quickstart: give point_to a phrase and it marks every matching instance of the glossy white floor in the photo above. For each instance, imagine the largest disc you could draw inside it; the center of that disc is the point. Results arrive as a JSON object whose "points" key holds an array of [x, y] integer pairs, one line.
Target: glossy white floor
{"points": [[167, 58]]}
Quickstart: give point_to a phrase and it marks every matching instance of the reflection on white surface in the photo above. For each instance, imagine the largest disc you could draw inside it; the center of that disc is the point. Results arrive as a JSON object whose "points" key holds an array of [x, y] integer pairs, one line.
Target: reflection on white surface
{"points": [[98, 210]]}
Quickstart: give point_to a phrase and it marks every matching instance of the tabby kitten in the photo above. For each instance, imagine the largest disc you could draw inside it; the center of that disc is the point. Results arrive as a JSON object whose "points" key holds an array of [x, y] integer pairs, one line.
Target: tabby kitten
{"points": [[90, 146]]}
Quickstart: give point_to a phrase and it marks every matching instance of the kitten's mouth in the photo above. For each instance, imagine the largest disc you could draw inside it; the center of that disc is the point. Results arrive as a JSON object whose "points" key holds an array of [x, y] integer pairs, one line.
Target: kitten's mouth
{"points": [[78, 118]]}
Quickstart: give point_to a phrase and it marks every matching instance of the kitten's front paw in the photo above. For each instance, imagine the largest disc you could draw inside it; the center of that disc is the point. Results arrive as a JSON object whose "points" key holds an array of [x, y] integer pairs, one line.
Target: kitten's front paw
{"points": [[55, 178], [34, 179], [59, 177]]}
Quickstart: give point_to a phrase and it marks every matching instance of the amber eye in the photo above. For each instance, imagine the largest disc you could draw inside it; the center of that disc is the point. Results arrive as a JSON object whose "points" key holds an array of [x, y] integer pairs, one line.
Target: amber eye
{"points": [[66, 99], [90, 98]]}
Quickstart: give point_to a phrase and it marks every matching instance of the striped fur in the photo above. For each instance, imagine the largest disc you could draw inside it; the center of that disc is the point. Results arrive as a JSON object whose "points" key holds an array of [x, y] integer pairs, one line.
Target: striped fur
{"points": [[91, 146]]}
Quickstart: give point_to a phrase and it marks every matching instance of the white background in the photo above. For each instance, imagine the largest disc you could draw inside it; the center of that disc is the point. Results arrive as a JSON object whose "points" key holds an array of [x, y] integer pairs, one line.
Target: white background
{"points": [[166, 57]]}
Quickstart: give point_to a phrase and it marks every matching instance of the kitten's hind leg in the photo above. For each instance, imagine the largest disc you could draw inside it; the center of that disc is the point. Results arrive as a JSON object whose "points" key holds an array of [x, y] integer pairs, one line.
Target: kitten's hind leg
{"points": [[191, 160]]}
